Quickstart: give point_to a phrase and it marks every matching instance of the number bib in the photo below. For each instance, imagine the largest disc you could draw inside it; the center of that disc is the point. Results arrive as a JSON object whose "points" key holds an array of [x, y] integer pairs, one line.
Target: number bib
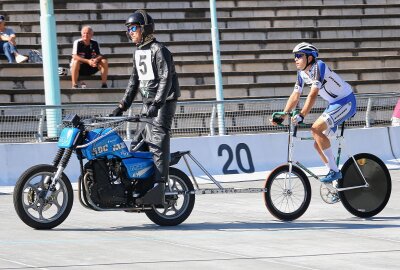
{"points": [[143, 65]]}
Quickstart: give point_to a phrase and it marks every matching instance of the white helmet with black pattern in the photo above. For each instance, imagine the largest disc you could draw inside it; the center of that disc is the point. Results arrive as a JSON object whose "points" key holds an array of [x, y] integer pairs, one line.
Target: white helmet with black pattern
{"points": [[307, 49]]}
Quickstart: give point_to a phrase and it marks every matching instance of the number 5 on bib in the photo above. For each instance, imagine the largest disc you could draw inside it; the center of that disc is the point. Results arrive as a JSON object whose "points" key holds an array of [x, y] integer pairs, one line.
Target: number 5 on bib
{"points": [[143, 65]]}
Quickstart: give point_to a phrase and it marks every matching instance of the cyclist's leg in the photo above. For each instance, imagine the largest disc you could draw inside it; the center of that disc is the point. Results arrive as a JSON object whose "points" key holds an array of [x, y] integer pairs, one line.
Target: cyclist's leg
{"points": [[337, 113], [334, 115], [322, 142], [323, 146]]}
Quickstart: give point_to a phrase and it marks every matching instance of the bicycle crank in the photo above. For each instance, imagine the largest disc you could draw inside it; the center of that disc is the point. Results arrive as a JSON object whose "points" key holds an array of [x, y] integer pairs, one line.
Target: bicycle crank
{"points": [[329, 193]]}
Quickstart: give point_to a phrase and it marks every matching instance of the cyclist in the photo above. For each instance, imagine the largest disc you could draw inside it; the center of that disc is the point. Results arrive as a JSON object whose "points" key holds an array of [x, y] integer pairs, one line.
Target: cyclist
{"points": [[326, 83]]}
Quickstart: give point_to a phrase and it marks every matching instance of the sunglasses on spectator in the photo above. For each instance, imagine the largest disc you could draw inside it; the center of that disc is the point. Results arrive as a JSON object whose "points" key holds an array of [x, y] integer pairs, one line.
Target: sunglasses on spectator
{"points": [[133, 28], [298, 55]]}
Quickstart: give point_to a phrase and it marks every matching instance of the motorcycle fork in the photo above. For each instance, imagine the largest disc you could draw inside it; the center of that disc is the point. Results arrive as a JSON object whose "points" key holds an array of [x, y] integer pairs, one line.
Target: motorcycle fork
{"points": [[62, 158], [58, 156]]}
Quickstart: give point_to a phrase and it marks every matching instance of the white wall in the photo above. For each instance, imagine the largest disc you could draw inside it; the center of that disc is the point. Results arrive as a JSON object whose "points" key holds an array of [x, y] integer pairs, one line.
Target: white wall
{"points": [[265, 151]]}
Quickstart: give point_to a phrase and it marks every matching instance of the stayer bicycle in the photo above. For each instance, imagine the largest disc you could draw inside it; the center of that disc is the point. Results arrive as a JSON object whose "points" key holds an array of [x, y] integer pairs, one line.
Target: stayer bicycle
{"points": [[117, 179], [364, 189]]}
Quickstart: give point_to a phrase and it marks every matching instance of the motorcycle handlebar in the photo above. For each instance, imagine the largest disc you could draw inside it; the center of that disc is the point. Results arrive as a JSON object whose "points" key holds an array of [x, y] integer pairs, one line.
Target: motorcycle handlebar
{"points": [[106, 120]]}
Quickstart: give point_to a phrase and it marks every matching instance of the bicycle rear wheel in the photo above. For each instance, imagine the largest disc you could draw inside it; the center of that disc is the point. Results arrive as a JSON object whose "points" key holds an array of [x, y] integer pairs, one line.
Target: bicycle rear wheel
{"points": [[365, 202], [288, 195]]}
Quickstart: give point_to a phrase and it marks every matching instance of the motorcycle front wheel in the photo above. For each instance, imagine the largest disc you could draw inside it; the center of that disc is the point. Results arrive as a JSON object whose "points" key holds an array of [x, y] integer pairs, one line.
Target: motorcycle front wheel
{"points": [[179, 206], [30, 201]]}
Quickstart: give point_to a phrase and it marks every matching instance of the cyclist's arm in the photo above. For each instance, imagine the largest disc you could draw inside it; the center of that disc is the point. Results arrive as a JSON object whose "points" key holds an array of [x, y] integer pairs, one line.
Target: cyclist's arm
{"points": [[292, 101], [312, 96]]}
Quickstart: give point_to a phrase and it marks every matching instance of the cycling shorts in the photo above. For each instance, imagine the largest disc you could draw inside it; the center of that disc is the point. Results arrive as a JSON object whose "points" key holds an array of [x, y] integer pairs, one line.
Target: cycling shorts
{"points": [[338, 112]]}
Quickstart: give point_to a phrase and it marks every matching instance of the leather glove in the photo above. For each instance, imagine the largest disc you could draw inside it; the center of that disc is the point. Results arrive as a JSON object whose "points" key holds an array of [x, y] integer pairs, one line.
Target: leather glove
{"points": [[152, 111], [297, 119], [117, 112]]}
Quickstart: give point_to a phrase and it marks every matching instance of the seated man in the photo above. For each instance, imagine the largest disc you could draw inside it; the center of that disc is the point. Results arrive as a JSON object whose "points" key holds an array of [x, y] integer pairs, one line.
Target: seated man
{"points": [[8, 43], [86, 58]]}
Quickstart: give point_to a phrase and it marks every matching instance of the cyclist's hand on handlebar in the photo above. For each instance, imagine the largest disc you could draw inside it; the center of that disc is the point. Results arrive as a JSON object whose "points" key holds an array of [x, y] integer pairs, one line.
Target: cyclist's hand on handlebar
{"points": [[297, 119], [277, 119]]}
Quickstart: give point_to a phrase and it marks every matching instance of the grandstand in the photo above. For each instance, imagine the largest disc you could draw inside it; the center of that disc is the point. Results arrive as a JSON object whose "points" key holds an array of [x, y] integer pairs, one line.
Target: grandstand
{"points": [[358, 38]]}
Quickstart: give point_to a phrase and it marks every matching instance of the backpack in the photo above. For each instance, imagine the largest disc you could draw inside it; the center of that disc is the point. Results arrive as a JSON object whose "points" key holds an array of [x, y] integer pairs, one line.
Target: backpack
{"points": [[35, 56]]}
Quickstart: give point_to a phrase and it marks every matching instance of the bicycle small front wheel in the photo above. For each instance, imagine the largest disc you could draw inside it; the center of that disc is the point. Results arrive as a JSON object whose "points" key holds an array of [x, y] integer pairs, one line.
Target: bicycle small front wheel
{"points": [[288, 194], [368, 201]]}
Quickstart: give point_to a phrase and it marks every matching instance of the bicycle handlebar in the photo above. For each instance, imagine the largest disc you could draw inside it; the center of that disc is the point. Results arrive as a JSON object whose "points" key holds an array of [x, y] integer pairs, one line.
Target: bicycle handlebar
{"points": [[278, 119]]}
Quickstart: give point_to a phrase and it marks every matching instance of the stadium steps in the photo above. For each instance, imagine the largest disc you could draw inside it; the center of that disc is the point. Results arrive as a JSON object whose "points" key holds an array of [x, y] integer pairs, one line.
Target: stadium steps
{"points": [[123, 65], [355, 37]]}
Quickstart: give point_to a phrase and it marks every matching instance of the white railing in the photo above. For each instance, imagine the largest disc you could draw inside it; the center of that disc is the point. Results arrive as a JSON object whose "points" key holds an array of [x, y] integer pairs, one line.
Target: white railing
{"points": [[195, 118]]}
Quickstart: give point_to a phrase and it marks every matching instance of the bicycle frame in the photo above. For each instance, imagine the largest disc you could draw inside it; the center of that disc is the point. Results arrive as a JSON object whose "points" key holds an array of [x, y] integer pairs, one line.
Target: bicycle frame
{"points": [[292, 133]]}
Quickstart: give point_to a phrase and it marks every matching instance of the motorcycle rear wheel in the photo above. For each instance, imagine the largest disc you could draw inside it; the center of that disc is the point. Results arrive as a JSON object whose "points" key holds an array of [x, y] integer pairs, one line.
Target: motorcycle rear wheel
{"points": [[29, 197], [178, 207]]}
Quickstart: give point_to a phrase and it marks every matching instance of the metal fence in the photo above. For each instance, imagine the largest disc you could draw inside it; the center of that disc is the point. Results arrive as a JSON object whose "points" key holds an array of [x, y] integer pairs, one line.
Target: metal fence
{"points": [[197, 118]]}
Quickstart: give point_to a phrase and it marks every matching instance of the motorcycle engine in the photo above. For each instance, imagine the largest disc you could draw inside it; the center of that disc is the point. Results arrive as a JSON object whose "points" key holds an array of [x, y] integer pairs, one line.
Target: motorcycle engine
{"points": [[105, 182]]}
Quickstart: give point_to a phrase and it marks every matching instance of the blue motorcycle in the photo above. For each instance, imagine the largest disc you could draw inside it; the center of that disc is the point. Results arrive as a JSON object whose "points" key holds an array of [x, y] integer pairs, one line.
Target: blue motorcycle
{"points": [[112, 178]]}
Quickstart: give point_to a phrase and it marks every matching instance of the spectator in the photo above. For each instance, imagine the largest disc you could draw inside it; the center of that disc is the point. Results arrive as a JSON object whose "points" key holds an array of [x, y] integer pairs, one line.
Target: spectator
{"points": [[396, 114], [8, 43], [87, 59]]}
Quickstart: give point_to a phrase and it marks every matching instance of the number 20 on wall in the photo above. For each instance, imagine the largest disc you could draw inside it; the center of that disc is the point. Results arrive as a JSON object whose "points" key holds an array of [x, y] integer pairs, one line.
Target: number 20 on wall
{"points": [[242, 153]]}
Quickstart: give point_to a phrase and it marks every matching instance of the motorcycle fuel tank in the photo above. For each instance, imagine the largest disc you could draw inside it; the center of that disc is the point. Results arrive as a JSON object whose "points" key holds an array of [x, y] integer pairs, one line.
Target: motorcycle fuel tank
{"points": [[109, 144]]}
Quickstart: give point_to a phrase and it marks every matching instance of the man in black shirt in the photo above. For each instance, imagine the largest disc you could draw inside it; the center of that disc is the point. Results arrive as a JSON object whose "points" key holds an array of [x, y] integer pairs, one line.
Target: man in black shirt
{"points": [[86, 58]]}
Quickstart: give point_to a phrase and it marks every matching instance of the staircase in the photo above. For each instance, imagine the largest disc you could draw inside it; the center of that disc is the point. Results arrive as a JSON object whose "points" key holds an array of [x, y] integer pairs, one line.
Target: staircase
{"points": [[359, 39]]}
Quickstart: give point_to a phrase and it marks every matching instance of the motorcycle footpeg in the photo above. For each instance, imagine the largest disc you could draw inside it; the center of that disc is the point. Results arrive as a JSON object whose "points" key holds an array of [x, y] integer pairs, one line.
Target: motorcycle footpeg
{"points": [[155, 196]]}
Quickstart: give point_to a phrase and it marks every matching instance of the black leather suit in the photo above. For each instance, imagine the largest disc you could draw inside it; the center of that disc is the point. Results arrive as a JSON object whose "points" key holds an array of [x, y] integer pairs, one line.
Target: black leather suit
{"points": [[162, 91]]}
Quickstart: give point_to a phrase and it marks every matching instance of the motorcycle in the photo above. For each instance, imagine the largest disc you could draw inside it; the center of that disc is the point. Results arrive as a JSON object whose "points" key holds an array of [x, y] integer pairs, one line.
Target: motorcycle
{"points": [[112, 178]]}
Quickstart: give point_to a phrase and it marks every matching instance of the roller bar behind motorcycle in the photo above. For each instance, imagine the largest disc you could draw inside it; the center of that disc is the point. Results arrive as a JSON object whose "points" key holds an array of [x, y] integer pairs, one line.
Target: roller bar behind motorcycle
{"points": [[112, 178]]}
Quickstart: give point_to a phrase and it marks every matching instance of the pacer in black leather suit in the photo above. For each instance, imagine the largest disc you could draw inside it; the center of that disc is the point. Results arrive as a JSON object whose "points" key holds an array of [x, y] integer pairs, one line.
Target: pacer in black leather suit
{"points": [[154, 76]]}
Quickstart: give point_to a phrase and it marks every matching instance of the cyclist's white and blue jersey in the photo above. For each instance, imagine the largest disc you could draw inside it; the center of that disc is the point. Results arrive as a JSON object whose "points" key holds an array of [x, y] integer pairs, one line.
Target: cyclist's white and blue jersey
{"points": [[332, 88]]}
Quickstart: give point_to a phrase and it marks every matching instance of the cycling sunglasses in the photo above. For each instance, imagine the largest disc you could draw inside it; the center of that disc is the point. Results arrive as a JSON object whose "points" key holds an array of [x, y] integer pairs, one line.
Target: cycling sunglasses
{"points": [[298, 55], [132, 28]]}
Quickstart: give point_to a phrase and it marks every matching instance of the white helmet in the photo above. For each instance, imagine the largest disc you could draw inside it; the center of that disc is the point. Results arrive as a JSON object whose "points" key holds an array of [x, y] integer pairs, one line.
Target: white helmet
{"points": [[306, 48]]}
